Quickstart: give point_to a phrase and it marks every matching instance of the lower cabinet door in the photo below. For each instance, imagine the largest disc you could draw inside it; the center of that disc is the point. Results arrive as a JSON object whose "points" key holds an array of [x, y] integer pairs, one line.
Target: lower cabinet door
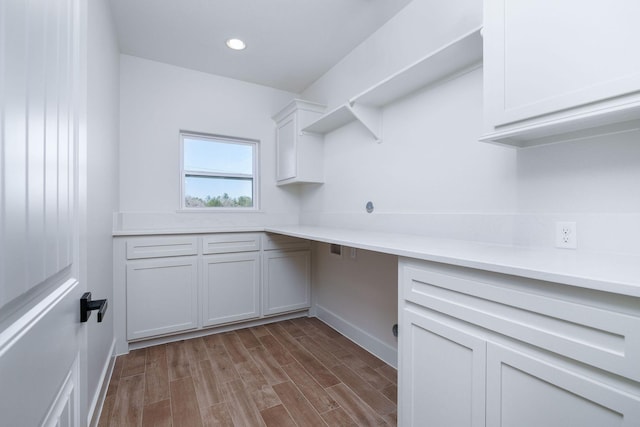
{"points": [[161, 296], [441, 375], [230, 287], [524, 391], [286, 281]]}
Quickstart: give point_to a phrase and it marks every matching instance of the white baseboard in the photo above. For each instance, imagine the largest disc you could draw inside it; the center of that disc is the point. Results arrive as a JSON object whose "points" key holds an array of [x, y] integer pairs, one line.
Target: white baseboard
{"points": [[373, 345], [149, 342], [95, 407]]}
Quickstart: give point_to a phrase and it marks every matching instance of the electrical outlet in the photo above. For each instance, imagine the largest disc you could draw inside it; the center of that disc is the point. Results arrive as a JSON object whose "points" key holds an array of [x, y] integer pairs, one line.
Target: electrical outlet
{"points": [[566, 235]]}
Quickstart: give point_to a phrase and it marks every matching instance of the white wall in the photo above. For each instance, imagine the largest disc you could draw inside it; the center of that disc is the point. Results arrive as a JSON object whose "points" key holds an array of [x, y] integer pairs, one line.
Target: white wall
{"points": [[430, 175], [349, 289], [159, 100], [422, 27], [429, 161], [102, 185], [593, 182], [430, 168], [599, 175]]}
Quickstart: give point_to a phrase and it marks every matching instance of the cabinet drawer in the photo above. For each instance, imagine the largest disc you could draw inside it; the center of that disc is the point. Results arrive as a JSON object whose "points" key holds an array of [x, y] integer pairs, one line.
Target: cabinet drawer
{"points": [[157, 247], [279, 242], [231, 242], [578, 326]]}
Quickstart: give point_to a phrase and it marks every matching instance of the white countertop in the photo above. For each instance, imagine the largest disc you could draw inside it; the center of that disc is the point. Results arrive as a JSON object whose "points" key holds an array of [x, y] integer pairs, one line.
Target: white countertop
{"points": [[600, 271], [607, 272], [210, 230]]}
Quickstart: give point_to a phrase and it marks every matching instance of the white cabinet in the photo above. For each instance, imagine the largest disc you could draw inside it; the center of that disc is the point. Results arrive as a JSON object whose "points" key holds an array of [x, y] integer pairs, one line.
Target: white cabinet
{"points": [[528, 391], [442, 373], [299, 155], [224, 243], [161, 296], [286, 281], [478, 347], [230, 288], [553, 69], [179, 284]]}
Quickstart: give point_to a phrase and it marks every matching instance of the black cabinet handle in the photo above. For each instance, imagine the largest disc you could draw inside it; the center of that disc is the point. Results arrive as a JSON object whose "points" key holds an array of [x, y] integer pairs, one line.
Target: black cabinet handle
{"points": [[86, 306]]}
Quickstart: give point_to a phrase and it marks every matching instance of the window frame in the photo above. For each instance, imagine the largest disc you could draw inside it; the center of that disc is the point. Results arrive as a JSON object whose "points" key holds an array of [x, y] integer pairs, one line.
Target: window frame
{"points": [[255, 177]]}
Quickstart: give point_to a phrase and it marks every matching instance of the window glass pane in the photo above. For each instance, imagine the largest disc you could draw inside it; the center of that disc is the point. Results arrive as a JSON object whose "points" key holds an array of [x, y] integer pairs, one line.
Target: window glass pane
{"points": [[208, 155], [204, 191]]}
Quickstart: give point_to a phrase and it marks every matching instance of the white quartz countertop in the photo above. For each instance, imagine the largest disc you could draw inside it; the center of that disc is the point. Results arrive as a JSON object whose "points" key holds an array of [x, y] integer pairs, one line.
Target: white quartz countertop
{"points": [[600, 271], [606, 272], [168, 232]]}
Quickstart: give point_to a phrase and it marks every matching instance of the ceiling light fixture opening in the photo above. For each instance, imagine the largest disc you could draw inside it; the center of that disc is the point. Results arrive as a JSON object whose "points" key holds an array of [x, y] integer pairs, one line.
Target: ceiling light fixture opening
{"points": [[236, 44]]}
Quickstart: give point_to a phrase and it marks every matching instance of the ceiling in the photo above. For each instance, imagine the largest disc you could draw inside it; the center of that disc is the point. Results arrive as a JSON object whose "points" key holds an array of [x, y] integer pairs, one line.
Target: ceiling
{"points": [[290, 43]]}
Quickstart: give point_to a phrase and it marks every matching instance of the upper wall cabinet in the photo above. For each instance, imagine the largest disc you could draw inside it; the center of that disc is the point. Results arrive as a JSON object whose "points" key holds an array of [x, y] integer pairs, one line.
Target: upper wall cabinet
{"points": [[557, 71], [299, 156]]}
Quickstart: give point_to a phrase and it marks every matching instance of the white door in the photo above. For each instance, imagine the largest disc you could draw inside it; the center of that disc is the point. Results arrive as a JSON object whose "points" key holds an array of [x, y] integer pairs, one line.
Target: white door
{"points": [[42, 106], [286, 281], [162, 296], [286, 148], [524, 390], [442, 373], [230, 288]]}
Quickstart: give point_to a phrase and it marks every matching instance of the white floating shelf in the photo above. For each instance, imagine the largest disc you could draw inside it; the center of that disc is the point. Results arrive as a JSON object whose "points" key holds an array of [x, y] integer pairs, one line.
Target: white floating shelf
{"points": [[458, 56], [332, 120], [370, 118], [452, 59]]}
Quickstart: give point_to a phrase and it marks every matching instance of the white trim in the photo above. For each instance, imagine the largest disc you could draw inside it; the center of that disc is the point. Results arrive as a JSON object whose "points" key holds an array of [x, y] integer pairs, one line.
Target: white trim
{"points": [[146, 342], [70, 391], [27, 321], [97, 403], [364, 339]]}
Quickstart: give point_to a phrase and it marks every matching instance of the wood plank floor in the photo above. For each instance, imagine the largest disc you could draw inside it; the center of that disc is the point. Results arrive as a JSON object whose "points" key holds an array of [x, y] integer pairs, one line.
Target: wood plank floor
{"points": [[293, 373]]}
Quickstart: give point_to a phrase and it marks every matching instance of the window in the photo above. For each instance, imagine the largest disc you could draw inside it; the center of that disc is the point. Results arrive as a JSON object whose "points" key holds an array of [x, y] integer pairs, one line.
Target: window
{"points": [[218, 172]]}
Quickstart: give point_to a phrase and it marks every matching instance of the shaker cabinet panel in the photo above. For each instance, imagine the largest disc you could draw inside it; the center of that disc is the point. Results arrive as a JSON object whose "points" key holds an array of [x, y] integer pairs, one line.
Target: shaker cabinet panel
{"points": [[480, 348], [550, 63], [230, 288], [161, 247], [559, 67], [299, 155], [286, 281], [524, 391], [230, 242], [286, 148], [442, 375], [161, 296]]}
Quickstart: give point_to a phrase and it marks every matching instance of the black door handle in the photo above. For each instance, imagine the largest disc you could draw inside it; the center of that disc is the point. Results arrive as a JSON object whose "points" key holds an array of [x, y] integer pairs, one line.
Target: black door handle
{"points": [[86, 306]]}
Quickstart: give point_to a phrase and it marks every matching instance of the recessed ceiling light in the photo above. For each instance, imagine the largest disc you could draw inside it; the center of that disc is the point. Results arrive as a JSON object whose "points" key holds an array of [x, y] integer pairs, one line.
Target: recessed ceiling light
{"points": [[236, 44]]}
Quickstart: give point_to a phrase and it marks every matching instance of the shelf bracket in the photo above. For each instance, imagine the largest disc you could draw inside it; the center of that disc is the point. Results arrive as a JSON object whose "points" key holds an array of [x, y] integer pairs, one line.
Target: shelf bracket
{"points": [[371, 119]]}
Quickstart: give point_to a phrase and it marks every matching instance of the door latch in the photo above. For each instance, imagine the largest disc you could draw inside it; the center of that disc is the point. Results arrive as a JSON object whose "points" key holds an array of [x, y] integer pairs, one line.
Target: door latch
{"points": [[87, 306]]}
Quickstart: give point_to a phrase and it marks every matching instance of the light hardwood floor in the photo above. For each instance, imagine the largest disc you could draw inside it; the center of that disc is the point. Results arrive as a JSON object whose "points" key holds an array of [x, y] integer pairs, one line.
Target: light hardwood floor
{"points": [[293, 373]]}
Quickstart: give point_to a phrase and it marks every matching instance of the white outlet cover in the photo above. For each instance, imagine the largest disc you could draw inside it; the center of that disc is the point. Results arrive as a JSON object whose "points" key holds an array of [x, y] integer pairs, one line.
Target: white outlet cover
{"points": [[566, 235]]}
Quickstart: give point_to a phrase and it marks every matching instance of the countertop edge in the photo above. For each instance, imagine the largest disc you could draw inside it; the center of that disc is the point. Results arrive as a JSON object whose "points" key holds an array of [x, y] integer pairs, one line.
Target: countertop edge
{"points": [[213, 230], [484, 256], [618, 273]]}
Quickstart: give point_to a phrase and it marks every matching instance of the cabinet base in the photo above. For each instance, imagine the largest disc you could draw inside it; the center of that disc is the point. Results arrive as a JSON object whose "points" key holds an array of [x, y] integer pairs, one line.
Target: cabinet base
{"points": [[133, 345]]}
